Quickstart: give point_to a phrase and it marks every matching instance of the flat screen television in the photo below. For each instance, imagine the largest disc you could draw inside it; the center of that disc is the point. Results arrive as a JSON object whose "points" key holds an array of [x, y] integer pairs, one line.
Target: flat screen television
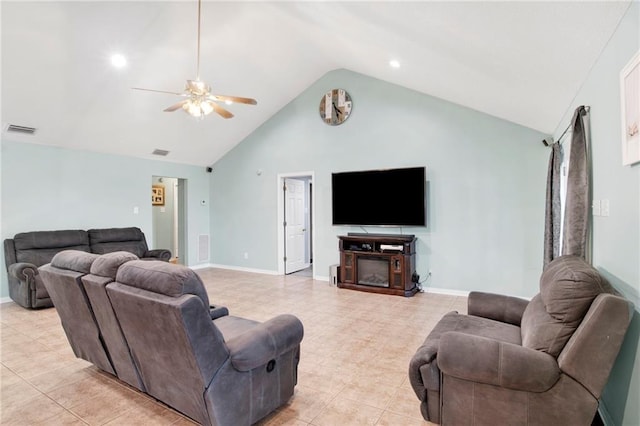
{"points": [[390, 197]]}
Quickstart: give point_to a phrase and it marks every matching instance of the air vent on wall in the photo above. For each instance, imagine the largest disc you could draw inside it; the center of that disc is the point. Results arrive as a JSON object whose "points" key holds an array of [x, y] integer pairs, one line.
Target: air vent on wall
{"points": [[21, 129], [203, 248], [161, 152]]}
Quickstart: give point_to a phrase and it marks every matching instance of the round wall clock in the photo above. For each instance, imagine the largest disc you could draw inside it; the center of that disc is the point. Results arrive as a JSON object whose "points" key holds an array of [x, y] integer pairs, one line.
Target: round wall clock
{"points": [[335, 107]]}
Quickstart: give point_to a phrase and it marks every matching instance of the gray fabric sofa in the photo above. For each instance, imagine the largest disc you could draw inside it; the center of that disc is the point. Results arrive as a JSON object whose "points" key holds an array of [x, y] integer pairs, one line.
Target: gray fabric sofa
{"points": [[27, 251], [76, 282], [159, 333], [519, 362]]}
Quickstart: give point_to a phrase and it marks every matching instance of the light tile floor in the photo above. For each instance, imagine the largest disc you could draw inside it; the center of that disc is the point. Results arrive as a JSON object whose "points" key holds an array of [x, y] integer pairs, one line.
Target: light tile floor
{"points": [[353, 367]]}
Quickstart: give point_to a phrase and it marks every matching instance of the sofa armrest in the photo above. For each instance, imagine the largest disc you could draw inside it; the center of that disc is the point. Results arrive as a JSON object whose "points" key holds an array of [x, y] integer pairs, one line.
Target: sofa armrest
{"points": [[423, 369], [218, 311], [483, 360], [9, 253], [23, 271], [497, 307], [265, 342], [160, 254]]}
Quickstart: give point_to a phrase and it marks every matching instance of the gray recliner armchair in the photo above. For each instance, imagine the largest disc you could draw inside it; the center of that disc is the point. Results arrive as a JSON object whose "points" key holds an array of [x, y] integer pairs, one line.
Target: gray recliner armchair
{"points": [[225, 371], [518, 362]]}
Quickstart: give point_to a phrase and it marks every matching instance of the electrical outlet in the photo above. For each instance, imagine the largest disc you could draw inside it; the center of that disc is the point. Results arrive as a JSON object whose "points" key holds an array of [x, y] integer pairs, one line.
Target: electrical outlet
{"points": [[596, 208], [246, 255], [604, 208]]}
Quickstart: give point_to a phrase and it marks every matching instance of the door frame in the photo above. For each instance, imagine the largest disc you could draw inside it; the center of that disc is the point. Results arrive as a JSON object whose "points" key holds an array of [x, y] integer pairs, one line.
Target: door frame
{"points": [[179, 228], [280, 216], [183, 223]]}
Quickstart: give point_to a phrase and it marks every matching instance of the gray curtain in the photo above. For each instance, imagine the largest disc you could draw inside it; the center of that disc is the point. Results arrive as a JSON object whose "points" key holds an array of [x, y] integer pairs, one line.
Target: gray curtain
{"points": [[576, 228], [552, 208]]}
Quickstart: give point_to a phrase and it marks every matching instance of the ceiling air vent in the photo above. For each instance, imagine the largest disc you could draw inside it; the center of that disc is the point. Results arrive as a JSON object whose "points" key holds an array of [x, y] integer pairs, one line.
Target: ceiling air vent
{"points": [[21, 129], [160, 152]]}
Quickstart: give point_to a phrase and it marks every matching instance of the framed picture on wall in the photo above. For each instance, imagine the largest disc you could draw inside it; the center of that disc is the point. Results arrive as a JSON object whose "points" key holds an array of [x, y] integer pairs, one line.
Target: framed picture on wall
{"points": [[630, 109], [157, 195]]}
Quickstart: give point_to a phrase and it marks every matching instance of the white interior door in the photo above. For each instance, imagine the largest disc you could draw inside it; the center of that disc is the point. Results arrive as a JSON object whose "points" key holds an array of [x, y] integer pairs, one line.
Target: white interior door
{"points": [[295, 231]]}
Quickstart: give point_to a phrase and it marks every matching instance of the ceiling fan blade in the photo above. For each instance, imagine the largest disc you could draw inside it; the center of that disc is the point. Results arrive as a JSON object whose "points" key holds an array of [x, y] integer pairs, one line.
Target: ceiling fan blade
{"points": [[159, 91], [176, 106], [217, 108], [199, 100], [235, 99]]}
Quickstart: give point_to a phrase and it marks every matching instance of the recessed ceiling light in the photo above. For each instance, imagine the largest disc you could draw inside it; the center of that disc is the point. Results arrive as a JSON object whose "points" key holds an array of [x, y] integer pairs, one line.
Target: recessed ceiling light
{"points": [[118, 60], [394, 64], [228, 102]]}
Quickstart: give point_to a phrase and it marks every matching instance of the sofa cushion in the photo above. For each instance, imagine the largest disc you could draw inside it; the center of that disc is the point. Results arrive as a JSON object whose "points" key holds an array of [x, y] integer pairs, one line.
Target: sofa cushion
{"points": [[568, 286], [108, 240], [74, 260], [39, 247], [163, 278], [106, 265], [542, 332], [453, 321], [108, 235]]}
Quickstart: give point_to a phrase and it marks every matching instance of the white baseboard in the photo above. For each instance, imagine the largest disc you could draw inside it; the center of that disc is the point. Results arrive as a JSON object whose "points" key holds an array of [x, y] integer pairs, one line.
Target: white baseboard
{"points": [[240, 268], [243, 269], [201, 266], [461, 293], [604, 415], [5, 300]]}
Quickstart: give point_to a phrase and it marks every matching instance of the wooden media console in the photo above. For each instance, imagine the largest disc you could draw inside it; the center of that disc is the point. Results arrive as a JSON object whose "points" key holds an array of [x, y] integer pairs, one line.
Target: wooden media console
{"points": [[378, 263]]}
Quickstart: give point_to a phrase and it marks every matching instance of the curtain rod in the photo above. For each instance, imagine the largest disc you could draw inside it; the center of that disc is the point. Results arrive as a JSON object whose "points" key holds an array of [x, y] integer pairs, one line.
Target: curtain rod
{"points": [[549, 141]]}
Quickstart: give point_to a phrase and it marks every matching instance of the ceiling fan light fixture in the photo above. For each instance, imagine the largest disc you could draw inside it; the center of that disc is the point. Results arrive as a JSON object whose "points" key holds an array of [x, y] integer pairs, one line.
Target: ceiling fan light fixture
{"points": [[197, 108], [206, 108], [192, 109], [197, 87], [198, 99]]}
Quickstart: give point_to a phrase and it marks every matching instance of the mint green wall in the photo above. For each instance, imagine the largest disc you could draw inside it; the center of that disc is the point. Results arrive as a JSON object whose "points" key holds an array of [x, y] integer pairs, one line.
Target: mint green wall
{"points": [[616, 239], [486, 183], [48, 188]]}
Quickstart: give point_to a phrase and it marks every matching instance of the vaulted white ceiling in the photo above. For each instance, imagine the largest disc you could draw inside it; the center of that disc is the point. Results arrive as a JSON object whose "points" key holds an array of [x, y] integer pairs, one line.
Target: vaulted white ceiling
{"points": [[520, 61]]}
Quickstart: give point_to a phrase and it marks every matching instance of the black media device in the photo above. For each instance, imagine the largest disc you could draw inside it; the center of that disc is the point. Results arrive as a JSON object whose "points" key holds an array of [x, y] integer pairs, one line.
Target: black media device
{"points": [[389, 197]]}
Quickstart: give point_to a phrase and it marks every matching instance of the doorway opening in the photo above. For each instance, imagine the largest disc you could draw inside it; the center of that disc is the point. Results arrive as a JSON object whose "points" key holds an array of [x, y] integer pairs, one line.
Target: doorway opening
{"points": [[296, 234], [169, 218]]}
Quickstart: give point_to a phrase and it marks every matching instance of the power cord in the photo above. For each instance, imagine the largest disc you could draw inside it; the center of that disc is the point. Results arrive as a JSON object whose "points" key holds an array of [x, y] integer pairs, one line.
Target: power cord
{"points": [[416, 279]]}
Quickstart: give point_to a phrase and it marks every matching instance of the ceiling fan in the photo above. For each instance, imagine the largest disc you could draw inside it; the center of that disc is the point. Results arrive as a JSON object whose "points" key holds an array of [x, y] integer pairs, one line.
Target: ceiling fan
{"points": [[199, 101]]}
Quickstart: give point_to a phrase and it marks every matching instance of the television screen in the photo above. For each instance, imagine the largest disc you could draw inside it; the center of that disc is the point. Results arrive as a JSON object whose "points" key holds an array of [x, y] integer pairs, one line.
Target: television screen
{"points": [[391, 197]]}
